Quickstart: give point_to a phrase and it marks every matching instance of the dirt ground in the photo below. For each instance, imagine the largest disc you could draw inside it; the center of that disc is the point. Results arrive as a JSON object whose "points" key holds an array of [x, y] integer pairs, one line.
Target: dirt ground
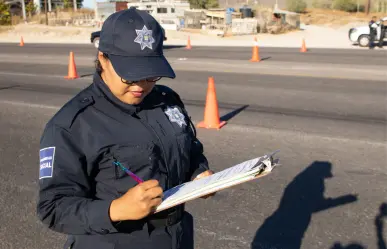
{"points": [[316, 26], [335, 17]]}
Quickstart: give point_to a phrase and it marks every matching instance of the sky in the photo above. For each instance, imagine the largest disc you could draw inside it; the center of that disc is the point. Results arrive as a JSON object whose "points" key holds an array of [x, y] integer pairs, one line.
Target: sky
{"points": [[90, 3]]}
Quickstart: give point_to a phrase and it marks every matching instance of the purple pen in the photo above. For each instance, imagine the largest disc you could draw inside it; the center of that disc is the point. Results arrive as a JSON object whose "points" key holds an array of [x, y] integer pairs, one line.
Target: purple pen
{"points": [[136, 178]]}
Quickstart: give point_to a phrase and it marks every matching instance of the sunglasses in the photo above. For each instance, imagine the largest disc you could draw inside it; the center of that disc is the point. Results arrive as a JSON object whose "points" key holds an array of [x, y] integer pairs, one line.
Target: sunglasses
{"points": [[130, 82], [148, 80]]}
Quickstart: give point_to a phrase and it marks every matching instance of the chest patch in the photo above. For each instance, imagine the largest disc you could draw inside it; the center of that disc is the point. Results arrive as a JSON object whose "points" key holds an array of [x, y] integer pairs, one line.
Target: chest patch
{"points": [[175, 116]]}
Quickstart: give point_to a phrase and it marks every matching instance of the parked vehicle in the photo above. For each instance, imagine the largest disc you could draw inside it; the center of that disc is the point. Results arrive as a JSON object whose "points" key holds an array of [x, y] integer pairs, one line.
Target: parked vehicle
{"points": [[169, 24], [361, 35], [94, 38]]}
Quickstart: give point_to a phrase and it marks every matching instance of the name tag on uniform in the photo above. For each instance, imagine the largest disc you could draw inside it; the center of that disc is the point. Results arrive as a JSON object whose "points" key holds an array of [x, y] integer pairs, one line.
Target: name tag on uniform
{"points": [[46, 157]]}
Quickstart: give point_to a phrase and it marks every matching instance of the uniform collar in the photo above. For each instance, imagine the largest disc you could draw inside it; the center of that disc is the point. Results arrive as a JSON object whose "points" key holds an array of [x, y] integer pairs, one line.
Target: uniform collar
{"points": [[103, 90]]}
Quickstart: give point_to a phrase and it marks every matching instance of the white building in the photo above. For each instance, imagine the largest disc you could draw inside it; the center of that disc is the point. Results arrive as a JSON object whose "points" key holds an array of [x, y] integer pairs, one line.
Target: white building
{"points": [[168, 13]]}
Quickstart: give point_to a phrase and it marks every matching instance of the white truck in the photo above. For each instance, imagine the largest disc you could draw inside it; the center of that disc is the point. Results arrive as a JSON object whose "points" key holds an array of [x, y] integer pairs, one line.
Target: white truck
{"points": [[361, 35]]}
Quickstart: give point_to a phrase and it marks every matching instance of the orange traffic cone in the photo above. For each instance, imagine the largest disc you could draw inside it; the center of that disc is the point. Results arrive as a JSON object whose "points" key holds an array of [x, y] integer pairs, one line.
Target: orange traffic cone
{"points": [[303, 48], [188, 43], [21, 42], [255, 57], [211, 112], [72, 73]]}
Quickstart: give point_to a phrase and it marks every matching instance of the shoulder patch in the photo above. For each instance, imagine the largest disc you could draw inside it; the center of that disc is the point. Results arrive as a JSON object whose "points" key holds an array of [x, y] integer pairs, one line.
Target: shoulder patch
{"points": [[46, 162]]}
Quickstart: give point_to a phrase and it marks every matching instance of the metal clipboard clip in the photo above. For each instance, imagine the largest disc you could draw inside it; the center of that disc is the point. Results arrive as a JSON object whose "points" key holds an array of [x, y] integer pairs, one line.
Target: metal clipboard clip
{"points": [[268, 163]]}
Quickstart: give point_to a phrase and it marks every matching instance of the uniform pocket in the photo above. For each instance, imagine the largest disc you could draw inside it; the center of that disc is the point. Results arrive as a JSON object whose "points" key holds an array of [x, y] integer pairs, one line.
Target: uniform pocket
{"points": [[139, 159], [135, 158]]}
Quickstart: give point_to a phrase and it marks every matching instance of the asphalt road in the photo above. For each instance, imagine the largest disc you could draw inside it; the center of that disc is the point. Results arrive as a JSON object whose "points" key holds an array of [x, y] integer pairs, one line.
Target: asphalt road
{"points": [[332, 56], [331, 131]]}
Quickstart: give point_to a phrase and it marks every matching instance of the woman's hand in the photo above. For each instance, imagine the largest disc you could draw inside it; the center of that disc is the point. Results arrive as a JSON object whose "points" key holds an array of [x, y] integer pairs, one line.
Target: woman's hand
{"points": [[137, 203], [204, 174]]}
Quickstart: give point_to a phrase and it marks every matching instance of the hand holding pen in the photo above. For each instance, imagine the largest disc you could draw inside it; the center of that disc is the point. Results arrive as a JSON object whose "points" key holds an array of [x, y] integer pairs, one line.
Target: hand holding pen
{"points": [[138, 202]]}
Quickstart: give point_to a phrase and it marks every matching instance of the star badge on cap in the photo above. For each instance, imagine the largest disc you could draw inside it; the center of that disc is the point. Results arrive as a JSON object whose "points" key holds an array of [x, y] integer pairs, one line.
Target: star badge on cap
{"points": [[144, 38]]}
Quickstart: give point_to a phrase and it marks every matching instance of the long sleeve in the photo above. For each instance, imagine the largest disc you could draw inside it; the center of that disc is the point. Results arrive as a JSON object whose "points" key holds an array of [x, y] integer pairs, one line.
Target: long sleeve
{"points": [[199, 162], [65, 201]]}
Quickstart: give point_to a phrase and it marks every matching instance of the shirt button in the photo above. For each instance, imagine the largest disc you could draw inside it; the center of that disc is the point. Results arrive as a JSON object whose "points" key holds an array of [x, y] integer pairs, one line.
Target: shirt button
{"points": [[85, 100], [104, 231]]}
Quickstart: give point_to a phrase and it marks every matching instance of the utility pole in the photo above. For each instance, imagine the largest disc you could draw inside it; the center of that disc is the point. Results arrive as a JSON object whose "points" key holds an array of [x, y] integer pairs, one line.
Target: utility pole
{"points": [[368, 6], [24, 10], [45, 11], [96, 11], [75, 5]]}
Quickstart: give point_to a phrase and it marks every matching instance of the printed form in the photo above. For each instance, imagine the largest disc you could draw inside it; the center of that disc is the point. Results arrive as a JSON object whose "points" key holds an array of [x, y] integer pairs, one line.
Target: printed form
{"points": [[232, 176]]}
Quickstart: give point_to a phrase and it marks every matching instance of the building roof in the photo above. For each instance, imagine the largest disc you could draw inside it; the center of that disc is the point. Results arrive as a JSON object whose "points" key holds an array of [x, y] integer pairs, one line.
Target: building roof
{"points": [[279, 11]]}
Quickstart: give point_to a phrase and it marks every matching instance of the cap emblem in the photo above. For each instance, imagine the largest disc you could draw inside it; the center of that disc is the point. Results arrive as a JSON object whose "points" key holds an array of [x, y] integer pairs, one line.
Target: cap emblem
{"points": [[144, 38]]}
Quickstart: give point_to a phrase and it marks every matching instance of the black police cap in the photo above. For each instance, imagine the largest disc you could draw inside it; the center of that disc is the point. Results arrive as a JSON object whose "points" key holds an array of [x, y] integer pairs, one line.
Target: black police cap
{"points": [[133, 39]]}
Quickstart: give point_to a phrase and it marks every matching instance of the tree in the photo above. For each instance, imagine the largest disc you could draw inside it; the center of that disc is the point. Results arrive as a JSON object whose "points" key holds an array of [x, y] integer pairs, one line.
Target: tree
{"points": [[204, 4], [67, 4], [345, 5], [5, 14], [298, 6], [31, 8]]}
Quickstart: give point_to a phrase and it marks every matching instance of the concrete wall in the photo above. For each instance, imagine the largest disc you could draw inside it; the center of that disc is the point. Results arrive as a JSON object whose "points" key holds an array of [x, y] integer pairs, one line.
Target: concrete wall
{"points": [[244, 26]]}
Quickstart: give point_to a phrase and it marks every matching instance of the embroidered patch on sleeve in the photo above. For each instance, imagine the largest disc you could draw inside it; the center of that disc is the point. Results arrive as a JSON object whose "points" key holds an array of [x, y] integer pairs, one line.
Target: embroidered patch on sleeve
{"points": [[46, 157]]}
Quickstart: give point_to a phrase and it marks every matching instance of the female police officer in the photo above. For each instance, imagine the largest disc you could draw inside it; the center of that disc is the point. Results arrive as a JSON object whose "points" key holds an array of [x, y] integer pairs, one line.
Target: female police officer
{"points": [[120, 119]]}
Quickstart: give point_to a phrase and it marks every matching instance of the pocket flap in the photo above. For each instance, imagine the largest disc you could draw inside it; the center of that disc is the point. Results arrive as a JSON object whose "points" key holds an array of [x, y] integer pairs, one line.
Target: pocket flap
{"points": [[136, 158]]}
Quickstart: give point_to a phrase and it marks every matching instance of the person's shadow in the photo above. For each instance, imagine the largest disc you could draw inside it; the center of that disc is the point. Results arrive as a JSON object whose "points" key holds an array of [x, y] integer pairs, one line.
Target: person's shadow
{"points": [[285, 228]]}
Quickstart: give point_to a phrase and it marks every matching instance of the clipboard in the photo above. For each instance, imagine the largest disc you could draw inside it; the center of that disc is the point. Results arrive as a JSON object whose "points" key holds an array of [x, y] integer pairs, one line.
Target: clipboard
{"points": [[243, 172]]}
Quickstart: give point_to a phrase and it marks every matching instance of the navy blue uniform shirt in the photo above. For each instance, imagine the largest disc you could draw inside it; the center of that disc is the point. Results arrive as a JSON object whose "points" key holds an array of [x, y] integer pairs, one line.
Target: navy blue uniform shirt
{"points": [[78, 180]]}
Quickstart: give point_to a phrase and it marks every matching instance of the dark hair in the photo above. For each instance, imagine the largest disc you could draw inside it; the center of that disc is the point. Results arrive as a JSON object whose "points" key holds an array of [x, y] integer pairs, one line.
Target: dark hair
{"points": [[98, 65]]}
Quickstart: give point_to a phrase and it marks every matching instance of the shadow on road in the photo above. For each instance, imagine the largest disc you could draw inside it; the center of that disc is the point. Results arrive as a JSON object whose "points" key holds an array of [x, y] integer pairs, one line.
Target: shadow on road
{"points": [[379, 232], [232, 114], [9, 87], [304, 196], [376, 44], [380, 226], [351, 246], [86, 75], [265, 58], [173, 46]]}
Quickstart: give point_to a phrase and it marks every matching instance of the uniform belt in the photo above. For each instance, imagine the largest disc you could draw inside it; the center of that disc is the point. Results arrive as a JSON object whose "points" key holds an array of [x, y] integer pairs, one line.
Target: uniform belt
{"points": [[167, 218]]}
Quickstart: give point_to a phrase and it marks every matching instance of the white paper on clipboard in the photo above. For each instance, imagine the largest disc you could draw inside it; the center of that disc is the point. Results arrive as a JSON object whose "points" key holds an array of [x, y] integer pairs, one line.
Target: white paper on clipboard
{"points": [[240, 173]]}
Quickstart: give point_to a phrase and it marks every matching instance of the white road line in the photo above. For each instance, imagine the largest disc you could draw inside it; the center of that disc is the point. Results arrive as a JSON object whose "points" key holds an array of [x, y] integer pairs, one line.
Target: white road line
{"points": [[24, 104], [30, 75], [40, 75], [301, 135], [243, 128]]}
